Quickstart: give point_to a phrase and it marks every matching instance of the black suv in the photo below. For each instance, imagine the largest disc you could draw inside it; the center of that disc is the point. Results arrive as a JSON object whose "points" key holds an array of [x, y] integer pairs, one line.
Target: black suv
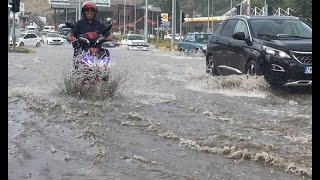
{"points": [[278, 47]]}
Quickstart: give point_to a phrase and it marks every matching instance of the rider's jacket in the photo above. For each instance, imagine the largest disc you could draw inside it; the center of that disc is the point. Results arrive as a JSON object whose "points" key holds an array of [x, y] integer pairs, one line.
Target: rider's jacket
{"points": [[82, 27]]}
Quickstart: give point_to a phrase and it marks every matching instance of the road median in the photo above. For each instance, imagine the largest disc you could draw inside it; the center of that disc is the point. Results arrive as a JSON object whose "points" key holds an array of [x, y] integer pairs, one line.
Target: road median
{"points": [[21, 50]]}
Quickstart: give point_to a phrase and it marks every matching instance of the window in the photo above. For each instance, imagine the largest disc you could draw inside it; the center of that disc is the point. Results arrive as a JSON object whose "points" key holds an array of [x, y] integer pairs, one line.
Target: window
{"points": [[27, 36], [135, 37], [187, 38], [32, 36], [280, 28], [217, 28], [192, 38], [241, 26], [202, 38], [228, 28]]}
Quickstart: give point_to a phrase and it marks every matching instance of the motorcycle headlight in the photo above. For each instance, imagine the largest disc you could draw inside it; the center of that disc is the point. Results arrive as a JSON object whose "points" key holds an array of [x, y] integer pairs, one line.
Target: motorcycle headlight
{"points": [[275, 52], [204, 47]]}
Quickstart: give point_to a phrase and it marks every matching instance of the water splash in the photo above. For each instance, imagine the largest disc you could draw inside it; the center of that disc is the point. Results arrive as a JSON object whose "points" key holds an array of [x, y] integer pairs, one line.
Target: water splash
{"points": [[77, 84]]}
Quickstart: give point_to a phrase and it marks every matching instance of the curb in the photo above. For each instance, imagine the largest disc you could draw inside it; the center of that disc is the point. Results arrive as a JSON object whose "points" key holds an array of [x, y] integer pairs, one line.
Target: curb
{"points": [[20, 50], [167, 48]]}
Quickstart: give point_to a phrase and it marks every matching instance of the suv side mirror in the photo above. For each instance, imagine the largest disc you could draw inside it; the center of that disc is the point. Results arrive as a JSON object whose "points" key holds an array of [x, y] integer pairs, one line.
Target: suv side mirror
{"points": [[239, 35]]}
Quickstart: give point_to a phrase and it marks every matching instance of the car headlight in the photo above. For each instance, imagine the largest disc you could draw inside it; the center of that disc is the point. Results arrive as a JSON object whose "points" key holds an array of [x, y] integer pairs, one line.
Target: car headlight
{"points": [[275, 52], [204, 47]]}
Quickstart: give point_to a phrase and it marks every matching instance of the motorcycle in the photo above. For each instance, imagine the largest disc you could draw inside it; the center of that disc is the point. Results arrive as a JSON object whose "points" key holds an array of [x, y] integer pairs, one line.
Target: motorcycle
{"points": [[91, 59]]}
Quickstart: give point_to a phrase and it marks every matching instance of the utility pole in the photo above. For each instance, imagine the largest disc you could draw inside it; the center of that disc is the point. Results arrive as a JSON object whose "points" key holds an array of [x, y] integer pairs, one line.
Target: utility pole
{"points": [[146, 22], [152, 22], [212, 14], [173, 24], [124, 17], [265, 8], [208, 14], [9, 28], [180, 23], [76, 5], [135, 16], [79, 7], [14, 30], [158, 31]]}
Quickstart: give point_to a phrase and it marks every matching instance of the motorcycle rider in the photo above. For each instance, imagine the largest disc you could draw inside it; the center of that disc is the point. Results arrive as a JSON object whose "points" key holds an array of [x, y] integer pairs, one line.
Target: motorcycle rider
{"points": [[87, 24]]}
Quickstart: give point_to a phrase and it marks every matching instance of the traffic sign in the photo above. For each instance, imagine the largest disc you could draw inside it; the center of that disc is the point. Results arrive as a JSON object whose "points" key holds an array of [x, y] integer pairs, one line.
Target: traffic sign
{"points": [[164, 17]]}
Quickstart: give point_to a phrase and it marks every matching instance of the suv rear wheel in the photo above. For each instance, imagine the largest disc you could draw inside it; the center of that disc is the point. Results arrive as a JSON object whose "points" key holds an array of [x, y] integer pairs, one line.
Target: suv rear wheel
{"points": [[253, 68]]}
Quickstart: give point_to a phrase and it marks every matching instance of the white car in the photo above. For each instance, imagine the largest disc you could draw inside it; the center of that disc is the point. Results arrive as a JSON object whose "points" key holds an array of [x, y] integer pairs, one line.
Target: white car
{"points": [[54, 38], [176, 37], [137, 42], [48, 28], [123, 41], [29, 39]]}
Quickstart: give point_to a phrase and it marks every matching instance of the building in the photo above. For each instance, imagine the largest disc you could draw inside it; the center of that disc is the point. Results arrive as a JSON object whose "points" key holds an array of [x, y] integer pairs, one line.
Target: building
{"points": [[121, 11]]}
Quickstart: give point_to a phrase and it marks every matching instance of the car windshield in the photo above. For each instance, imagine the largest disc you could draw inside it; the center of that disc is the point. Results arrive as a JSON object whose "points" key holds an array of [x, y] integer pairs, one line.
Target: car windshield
{"points": [[202, 38], [53, 35], [65, 31], [135, 37], [280, 28]]}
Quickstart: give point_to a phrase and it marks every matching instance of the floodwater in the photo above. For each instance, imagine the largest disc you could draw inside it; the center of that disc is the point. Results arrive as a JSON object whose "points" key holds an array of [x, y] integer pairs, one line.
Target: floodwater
{"points": [[167, 119]]}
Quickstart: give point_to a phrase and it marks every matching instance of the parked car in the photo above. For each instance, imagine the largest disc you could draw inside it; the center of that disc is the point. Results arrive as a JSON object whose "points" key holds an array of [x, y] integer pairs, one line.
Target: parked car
{"points": [[31, 28], [123, 41], [64, 31], [11, 40], [43, 36], [48, 28], [137, 42], [113, 43], [60, 26], [278, 47], [29, 39], [54, 38], [194, 41], [176, 37]]}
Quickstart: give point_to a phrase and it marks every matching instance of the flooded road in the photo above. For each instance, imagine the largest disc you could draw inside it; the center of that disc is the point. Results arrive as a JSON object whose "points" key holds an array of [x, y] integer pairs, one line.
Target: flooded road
{"points": [[166, 120]]}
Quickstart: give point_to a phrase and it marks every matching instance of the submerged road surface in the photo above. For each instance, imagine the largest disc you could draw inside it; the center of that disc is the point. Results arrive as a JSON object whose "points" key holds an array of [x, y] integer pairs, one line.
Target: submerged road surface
{"points": [[167, 119]]}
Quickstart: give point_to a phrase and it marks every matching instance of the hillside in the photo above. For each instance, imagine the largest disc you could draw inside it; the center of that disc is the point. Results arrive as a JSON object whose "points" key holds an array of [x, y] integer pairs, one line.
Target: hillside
{"points": [[40, 7]]}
